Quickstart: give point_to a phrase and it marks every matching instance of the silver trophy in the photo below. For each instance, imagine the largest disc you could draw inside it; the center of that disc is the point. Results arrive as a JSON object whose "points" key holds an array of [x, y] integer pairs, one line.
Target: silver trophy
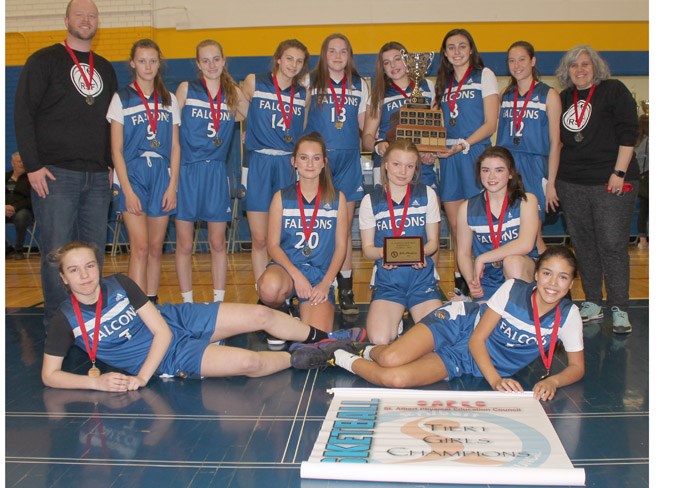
{"points": [[417, 66]]}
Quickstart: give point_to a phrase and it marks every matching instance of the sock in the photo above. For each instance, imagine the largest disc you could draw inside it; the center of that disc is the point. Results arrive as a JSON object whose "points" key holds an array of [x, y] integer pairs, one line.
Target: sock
{"points": [[345, 359], [457, 274], [219, 295], [346, 273], [187, 296], [366, 352], [153, 298], [315, 335]]}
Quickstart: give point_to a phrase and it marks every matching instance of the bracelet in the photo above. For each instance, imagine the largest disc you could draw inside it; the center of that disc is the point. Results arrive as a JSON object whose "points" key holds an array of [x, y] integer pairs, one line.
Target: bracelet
{"points": [[465, 144]]}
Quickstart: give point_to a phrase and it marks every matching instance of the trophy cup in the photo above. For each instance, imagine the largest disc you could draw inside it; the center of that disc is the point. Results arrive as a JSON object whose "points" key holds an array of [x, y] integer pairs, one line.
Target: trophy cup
{"points": [[416, 121]]}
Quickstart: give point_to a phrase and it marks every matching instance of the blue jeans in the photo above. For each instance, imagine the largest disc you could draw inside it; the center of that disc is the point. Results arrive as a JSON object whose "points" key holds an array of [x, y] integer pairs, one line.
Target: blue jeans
{"points": [[75, 209], [22, 219]]}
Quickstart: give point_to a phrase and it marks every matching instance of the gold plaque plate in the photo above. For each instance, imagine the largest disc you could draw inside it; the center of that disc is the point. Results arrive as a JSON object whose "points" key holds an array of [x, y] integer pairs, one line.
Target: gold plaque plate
{"points": [[403, 251]]}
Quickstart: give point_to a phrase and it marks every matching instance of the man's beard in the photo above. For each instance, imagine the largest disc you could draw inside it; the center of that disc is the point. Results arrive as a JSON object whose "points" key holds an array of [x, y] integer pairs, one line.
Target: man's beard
{"points": [[73, 32]]}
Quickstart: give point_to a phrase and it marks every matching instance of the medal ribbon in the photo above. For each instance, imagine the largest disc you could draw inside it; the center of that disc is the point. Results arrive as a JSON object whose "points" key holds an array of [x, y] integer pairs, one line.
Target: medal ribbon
{"points": [[518, 117], [547, 360], [88, 83], [286, 118], [308, 229], [402, 92], [337, 104], [152, 120], [91, 351], [397, 231], [496, 236], [216, 112], [452, 102], [579, 118]]}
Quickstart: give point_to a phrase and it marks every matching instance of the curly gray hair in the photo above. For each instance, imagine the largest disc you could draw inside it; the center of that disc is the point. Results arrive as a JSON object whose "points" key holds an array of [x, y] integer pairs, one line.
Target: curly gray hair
{"points": [[600, 67]]}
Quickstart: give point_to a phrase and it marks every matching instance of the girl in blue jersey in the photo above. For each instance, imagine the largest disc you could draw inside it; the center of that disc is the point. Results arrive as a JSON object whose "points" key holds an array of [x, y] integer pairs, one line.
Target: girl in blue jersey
{"points": [[275, 119], [390, 91], [338, 102], [114, 322], [521, 322], [498, 227], [528, 125], [145, 120], [467, 93], [210, 107], [306, 237], [402, 206]]}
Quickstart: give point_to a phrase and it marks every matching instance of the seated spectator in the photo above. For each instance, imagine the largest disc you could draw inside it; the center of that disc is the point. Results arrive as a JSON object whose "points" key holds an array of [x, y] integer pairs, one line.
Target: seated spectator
{"points": [[18, 210]]}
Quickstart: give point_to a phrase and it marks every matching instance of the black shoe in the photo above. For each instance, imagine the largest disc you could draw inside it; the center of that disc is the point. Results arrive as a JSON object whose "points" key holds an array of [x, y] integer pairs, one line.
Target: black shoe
{"points": [[461, 285], [346, 296]]}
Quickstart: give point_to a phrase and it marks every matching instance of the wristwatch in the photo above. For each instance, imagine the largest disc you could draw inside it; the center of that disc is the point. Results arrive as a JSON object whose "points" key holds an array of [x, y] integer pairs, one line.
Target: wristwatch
{"points": [[619, 173]]}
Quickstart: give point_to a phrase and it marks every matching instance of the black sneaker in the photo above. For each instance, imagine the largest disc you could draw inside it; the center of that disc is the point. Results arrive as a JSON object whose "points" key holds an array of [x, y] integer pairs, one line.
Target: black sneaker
{"points": [[347, 303], [346, 296], [461, 285], [321, 354]]}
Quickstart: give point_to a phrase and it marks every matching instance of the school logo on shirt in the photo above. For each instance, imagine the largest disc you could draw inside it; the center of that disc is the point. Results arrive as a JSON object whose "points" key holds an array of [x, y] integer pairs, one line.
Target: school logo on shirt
{"points": [[81, 84]]}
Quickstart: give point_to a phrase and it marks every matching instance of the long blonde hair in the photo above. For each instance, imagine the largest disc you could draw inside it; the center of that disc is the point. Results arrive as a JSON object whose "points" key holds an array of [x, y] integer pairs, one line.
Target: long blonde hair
{"points": [[227, 82]]}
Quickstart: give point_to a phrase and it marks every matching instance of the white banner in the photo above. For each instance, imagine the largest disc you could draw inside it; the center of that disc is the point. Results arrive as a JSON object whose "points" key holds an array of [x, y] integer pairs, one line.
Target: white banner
{"points": [[426, 436]]}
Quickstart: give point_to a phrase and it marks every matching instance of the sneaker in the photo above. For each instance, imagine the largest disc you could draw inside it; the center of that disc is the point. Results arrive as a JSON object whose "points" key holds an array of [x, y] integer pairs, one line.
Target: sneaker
{"points": [[275, 344], [590, 311], [320, 354], [461, 286], [355, 334], [400, 328], [347, 302], [346, 296], [621, 324]]}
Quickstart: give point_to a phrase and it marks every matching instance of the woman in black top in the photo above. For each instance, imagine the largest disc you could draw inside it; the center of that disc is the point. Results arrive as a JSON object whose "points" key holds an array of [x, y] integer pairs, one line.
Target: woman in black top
{"points": [[597, 179]]}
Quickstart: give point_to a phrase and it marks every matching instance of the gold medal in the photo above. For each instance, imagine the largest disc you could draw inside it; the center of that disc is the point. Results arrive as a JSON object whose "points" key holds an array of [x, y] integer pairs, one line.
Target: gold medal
{"points": [[89, 99], [154, 143], [217, 141], [287, 137], [452, 121], [94, 372], [338, 125], [578, 137], [497, 264]]}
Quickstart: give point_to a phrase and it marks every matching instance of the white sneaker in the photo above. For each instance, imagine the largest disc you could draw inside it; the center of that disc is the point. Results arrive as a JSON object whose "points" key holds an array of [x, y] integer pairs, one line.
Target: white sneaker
{"points": [[591, 311], [275, 344], [621, 324]]}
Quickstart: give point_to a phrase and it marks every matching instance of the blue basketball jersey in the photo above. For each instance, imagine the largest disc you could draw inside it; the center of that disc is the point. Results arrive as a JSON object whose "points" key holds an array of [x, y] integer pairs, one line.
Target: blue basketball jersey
{"points": [[477, 221], [469, 108], [533, 134], [265, 123], [322, 238], [415, 223], [138, 135], [512, 344], [124, 340], [393, 100], [198, 133], [323, 118]]}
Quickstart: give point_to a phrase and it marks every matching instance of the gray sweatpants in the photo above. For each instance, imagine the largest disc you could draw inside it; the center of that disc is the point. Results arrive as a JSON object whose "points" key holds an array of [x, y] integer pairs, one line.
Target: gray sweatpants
{"points": [[599, 225]]}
